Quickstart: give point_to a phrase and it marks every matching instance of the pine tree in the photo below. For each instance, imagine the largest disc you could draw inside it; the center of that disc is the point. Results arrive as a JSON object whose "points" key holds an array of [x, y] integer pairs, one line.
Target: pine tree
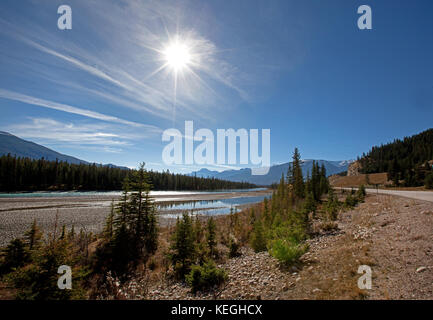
{"points": [[310, 204], [33, 236], [198, 230], [71, 235], [211, 235], [266, 214], [63, 234], [108, 231], [258, 240], [15, 256], [298, 179], [142, 215], [183, 250], [332, 205]]}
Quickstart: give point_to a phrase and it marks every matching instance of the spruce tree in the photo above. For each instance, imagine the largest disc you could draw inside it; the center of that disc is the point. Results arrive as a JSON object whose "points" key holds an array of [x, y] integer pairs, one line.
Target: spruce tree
{"points": [[211, 235], [298, 179], [108, 231], [258, 240], [183, 250], [33, 236]]}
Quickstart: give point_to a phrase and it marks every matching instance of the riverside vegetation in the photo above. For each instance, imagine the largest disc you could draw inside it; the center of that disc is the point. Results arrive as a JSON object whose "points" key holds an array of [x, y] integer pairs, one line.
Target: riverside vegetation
{"points": [[132, 248]]}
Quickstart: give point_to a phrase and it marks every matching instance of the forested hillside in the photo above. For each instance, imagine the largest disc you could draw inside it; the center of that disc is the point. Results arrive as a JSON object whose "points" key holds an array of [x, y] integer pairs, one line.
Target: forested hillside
{"points": [[406, 161], [25, 174]]}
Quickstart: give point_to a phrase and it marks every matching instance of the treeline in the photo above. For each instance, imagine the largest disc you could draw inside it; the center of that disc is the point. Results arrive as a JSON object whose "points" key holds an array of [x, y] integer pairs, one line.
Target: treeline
{"points": [[406, 161], [25, 174]]}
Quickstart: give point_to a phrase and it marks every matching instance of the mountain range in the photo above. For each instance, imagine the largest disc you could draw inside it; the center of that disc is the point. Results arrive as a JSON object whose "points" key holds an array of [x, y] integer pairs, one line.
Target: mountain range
{"points": [[275, 172], [26, 149], [22, 148]]}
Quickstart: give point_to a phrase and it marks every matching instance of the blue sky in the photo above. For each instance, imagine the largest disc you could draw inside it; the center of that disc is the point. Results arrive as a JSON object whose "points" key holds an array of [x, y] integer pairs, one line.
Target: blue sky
{"points": [[300, 68]]}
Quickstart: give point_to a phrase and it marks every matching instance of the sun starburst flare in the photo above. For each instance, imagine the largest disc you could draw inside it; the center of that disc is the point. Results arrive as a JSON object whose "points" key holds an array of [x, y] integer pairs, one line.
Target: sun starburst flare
{"points": [[177, 55]]}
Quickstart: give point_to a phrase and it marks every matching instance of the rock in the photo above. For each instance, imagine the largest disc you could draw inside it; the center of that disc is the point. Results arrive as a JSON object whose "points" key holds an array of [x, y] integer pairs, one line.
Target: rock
{"points": [[421, 269], [354, 168], [316, 290]]}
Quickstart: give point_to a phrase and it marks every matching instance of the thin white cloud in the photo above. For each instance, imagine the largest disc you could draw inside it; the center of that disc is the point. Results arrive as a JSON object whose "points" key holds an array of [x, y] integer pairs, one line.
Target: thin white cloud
{"points": [[85, 135], [77, 63], [10, 95], [53, 131]]}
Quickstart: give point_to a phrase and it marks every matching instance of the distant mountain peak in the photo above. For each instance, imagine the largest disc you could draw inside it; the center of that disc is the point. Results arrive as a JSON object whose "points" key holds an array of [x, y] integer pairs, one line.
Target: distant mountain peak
{"points": [[275, 172]]}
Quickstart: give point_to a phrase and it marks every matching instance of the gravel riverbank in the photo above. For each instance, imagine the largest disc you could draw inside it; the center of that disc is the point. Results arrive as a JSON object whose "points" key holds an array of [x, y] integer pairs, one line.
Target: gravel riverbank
{"points": [[86, 212]]}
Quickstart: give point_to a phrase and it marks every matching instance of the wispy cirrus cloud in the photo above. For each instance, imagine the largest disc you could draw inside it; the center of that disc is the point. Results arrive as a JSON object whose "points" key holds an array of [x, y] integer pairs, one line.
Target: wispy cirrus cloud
{"points": [[10, 95], [109, 138]]}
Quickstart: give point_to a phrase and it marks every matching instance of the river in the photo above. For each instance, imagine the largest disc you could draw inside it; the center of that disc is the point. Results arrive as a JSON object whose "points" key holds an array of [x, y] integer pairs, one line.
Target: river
{"points": [[88, 210]]}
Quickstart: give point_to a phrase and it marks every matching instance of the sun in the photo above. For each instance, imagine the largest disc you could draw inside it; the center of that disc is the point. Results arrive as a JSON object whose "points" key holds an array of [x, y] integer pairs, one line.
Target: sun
{"points": [[177, 55]]}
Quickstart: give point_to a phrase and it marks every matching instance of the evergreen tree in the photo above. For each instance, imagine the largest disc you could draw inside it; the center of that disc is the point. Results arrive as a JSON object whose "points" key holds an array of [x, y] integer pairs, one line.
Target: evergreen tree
{"points": [[211, 235], [310, 204], [183, 250], [298, 179], [15, 256], [258, 240], [33, 236], [108, 231], [142, 218]]}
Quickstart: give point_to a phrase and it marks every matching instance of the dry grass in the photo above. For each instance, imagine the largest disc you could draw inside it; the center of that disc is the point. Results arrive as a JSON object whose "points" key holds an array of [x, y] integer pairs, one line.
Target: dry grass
{"points": [[355, 181]]}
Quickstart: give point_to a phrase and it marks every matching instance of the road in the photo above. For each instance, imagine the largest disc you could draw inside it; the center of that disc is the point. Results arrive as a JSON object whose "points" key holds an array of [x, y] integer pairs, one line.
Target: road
{"points": [[418, 195]]}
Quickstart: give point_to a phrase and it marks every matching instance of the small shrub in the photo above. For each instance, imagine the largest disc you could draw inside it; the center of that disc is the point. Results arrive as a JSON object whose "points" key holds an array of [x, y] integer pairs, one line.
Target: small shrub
{"points": [[258, 240], [287, 252], [350, 201], [234, 248], [206, 276], [361, 193], [310, 204], [15, 256], [328, 226], [332, 205]]}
